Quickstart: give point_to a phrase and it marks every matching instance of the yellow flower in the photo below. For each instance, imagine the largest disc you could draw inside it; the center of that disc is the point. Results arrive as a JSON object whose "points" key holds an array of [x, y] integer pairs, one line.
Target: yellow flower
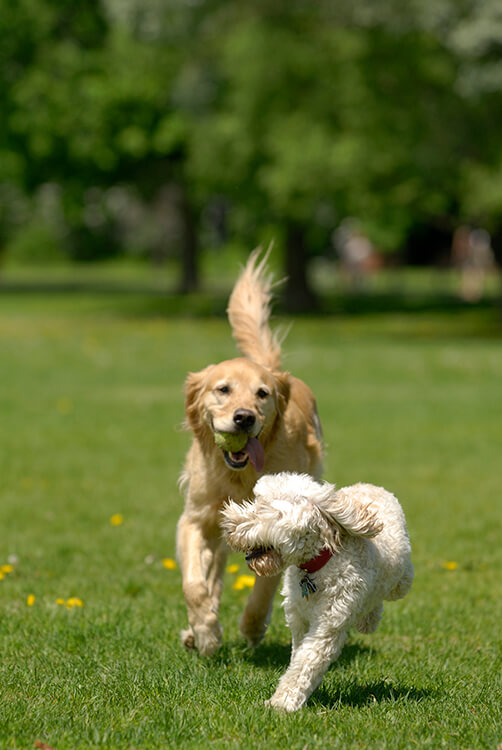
{"points": [[74, 601], [233, 568], [117, 519], [6, 569], [169, 563], [2, 575], [64, 405], [30, 601], [450, 565], [244, 582]]}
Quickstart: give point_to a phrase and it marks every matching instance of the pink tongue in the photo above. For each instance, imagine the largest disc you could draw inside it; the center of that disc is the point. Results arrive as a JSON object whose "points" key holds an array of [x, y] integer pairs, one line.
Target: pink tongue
{"points": [[256, 454]]}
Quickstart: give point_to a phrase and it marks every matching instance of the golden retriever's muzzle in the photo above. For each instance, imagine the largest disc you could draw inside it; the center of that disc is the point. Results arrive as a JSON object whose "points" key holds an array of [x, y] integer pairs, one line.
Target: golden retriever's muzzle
{"points": [[252, 451], [245, 422]]}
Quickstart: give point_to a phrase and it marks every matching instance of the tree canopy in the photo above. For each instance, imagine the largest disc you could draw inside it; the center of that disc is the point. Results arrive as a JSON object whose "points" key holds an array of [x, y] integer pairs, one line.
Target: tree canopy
{"points": [[161, 126]]}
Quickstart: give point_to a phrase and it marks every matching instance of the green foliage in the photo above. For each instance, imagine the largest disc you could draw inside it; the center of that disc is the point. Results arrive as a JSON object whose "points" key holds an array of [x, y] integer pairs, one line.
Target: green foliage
{"points": [[300, 113], [36, 243]]}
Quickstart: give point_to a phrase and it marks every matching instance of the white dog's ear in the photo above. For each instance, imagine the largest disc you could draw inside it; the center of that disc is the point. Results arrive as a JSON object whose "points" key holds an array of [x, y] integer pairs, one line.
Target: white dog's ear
{"points": [[343, 512], [236, 520]]}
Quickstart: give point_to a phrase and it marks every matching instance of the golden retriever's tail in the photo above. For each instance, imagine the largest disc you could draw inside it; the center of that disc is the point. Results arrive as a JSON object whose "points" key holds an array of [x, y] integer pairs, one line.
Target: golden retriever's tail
{"points": [[249, 313]]}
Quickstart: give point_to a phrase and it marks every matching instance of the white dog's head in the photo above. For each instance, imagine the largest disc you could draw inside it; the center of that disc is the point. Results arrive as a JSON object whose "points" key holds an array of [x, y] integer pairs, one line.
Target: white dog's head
{"points": [[292, 518]]}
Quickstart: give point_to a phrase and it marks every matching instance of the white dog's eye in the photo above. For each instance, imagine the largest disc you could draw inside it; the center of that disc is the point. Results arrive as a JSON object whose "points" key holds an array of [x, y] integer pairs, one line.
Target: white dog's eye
{"points": [[262, 393], [223, 388]]}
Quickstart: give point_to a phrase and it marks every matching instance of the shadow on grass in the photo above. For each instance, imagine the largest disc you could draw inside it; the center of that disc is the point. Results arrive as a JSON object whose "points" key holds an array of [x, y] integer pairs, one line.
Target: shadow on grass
{"points": [[344, 691], [270, 654], [358, 695]]}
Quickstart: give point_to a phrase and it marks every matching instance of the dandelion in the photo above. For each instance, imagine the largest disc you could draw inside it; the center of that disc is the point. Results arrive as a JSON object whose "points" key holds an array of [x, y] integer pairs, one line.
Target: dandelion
{"points": [[244, 582], [117, 519], [233, 568], [74, 601], [169, 563], [450, 565], [30, 601], [6, 568], [64, 405], [2, 575]]}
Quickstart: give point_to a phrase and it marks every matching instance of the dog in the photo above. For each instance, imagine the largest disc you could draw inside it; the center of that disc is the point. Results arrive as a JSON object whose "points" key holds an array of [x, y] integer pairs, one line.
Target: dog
{"points": [[275, 415], [344, 552]]}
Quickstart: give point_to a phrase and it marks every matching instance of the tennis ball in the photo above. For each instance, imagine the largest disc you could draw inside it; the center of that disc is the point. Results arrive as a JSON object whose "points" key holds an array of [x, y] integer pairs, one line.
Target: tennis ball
{"points": [[233, 442]]}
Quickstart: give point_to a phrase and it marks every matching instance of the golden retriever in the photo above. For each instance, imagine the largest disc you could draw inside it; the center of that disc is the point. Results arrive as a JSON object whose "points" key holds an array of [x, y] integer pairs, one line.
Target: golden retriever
{"points": [[278, 416]]}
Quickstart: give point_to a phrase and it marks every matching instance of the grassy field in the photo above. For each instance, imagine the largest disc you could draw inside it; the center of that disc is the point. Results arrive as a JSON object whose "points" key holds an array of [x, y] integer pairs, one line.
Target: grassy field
{"points": [[90, 451]]}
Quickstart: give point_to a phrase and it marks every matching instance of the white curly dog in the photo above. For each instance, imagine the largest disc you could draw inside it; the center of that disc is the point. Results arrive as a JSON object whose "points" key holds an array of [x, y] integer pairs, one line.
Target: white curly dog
{"points": [[345, 551]]}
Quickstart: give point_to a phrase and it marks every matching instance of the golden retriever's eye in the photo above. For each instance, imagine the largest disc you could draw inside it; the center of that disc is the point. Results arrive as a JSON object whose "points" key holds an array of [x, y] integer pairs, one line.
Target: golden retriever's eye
{"points": [[224, 389], [262, 393]]}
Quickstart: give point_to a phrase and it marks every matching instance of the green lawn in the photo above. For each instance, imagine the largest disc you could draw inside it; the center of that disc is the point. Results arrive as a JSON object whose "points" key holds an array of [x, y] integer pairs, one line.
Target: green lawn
{"points": [[91, 406]]}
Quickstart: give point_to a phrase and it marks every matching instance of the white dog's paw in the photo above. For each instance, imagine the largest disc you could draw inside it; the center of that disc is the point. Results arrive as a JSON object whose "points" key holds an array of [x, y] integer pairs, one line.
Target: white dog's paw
{"points": [[286, 702]]}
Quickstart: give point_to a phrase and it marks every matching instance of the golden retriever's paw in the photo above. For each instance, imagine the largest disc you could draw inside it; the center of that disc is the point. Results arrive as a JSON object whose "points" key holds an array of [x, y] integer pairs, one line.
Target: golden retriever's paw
{"points": [[204, 640], [187, 639], [208, 638], [253, 630]]}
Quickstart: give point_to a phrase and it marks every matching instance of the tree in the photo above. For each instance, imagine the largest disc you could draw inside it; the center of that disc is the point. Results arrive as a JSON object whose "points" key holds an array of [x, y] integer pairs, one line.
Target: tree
{"points": [[292, 115], [320, 115], [90, 106]]}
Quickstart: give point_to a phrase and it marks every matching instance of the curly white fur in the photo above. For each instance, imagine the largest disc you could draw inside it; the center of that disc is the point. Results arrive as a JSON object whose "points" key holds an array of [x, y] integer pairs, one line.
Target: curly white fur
{"points": [[292, 518]]}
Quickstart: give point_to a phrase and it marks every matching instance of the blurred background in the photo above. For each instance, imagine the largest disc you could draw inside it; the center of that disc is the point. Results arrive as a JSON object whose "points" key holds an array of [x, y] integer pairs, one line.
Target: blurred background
{"points": [[158, 141]]}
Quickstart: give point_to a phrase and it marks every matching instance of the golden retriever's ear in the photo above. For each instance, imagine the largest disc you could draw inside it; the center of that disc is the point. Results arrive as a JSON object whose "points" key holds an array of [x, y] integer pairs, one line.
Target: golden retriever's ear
{"points": [[194, 388], [283, 387]]}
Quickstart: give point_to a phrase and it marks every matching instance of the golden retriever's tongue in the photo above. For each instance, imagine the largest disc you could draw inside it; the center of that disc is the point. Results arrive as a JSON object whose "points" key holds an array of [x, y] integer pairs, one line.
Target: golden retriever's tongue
{"points": [[256, 454]]}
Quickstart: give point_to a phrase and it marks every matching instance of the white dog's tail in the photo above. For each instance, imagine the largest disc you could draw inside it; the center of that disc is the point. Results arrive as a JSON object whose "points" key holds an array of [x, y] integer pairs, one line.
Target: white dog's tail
{"points": [[249, 313]]}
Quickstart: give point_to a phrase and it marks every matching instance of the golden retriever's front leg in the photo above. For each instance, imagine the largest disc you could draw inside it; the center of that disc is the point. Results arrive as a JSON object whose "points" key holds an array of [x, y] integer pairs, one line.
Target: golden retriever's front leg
{"points": [[256, 615], [202, 562]]}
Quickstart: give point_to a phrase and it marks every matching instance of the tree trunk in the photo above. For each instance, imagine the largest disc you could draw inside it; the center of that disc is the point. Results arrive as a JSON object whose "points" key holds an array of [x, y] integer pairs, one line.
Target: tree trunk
{"points": [[497, 249], [189, 281], [299, 295]]}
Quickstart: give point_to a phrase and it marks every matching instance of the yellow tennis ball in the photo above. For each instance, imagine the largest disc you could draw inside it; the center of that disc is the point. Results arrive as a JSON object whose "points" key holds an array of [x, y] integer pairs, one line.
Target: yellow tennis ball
{"points": [[233, 442]]}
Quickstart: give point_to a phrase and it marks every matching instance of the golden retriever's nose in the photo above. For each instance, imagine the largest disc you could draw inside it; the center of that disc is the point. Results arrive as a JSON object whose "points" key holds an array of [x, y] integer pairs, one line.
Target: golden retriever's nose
{"points": [[244, 419]]}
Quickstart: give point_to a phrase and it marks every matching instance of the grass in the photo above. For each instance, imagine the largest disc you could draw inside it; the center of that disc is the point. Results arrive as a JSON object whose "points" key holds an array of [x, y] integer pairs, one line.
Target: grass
{"points": [[91, 405]]}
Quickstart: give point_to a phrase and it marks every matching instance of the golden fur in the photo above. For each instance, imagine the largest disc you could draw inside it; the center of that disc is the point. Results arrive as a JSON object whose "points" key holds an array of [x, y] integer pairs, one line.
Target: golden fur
{"points": [[278, 414]]}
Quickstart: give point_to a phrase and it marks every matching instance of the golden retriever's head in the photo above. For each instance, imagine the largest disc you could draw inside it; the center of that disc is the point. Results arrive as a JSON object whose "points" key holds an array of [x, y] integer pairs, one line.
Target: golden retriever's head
{"points": [[236, 396]]}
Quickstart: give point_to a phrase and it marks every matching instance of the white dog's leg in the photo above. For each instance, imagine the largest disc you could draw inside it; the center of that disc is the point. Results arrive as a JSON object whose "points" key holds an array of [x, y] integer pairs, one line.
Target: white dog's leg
{"points": [[256, 615], [308, 664], [404, 584], [299, 627], [202, 563], [369, 623]]}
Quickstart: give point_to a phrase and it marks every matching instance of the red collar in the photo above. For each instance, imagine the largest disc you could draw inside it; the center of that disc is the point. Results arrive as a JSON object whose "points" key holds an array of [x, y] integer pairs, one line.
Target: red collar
{"points": [[312, 566]]}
